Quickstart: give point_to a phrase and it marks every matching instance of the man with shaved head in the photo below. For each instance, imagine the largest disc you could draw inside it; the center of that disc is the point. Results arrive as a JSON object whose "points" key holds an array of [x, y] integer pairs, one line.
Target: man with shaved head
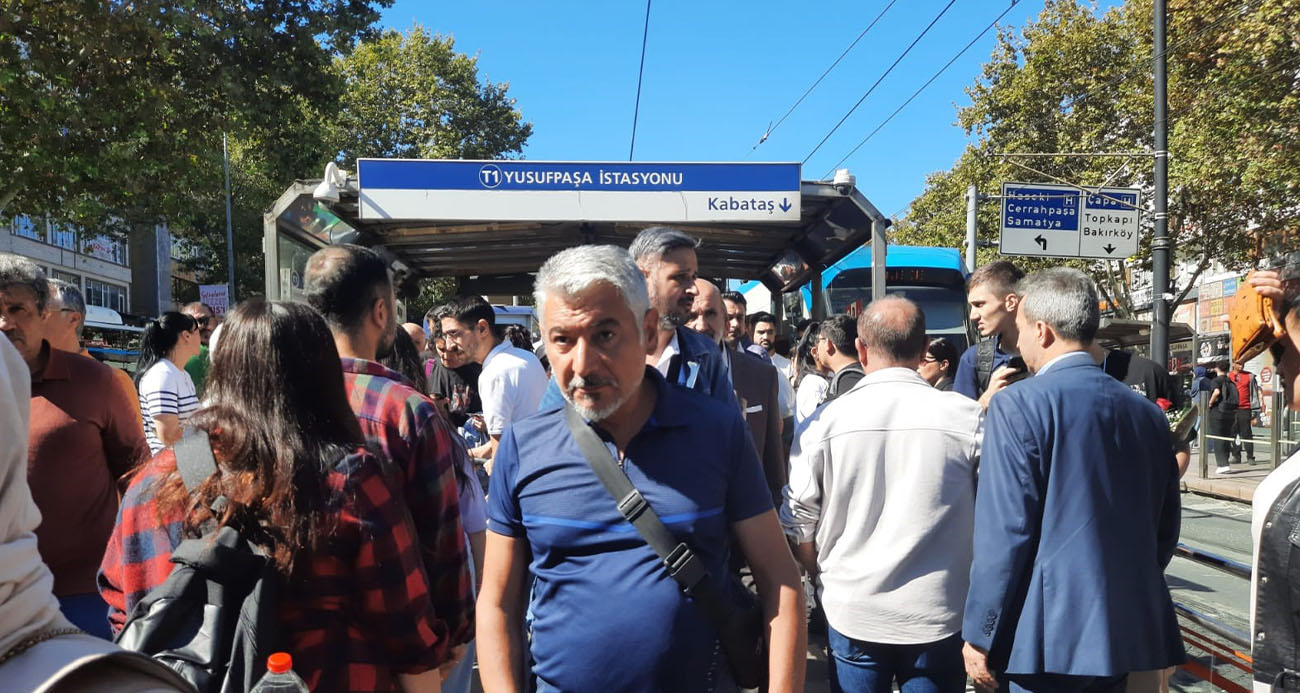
{"points": [[417, 336], [893, 573], [754, 381]]}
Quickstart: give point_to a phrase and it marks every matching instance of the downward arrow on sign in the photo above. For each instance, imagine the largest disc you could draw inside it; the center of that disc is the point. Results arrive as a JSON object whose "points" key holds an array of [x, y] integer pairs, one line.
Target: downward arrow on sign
{"points": [[785, 205], [1109, 248], [1041, 241]]}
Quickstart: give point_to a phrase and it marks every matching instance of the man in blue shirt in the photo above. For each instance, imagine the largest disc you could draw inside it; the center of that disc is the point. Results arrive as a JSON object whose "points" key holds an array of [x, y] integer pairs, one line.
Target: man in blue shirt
{"points": [[983, 369], [606, 614]]}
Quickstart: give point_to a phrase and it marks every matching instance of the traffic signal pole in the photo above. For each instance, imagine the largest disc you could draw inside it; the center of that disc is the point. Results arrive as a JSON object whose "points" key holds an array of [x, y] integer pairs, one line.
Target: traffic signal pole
{"points": [[1161, 244]]}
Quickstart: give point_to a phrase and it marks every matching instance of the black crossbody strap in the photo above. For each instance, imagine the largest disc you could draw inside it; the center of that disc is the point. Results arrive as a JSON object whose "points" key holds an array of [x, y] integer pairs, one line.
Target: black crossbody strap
{"points": [[195, 463], [679, 560]]}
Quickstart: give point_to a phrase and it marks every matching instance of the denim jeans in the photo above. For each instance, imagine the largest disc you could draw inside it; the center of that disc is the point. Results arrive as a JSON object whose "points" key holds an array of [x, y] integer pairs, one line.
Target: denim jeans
{"points": [[867, 667], [87, 612]]}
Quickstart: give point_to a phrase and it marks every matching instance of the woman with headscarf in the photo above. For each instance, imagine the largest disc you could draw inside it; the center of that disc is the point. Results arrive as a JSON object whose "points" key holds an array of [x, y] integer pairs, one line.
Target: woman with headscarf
{"points": [[40, 650]]}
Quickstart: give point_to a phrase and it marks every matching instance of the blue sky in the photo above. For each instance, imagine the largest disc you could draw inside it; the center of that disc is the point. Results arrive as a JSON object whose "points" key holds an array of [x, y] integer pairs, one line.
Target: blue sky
{"points": [[717, 73]]}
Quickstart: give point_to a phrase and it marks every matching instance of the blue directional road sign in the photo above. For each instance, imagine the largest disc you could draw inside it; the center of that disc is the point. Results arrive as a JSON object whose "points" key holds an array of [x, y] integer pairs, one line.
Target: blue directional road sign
{"points": [[578, 191], [1049, 220]]}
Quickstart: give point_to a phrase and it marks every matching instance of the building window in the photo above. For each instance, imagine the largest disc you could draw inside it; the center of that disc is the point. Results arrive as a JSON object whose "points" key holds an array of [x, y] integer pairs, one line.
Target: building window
{"points": [[23, 225], [184, 249], [105, 295], [105, 248], [69, 277], [63, 236]]}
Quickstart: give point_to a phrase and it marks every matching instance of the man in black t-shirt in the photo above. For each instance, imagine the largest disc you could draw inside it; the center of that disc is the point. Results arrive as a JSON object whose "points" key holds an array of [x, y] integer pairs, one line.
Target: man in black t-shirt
{"points": [[1148, 379], [1223, 410], [453, 382]]}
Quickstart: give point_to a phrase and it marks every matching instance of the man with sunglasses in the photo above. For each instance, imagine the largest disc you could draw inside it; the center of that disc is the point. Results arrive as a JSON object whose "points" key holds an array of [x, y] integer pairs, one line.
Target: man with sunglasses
{"points": [[197, 367], [1276, 502]]}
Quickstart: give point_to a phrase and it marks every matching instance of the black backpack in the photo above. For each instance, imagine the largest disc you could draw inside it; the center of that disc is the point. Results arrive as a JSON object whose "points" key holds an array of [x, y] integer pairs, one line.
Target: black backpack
{"points": [[1229, 399], [214, 619], [985, 352]]}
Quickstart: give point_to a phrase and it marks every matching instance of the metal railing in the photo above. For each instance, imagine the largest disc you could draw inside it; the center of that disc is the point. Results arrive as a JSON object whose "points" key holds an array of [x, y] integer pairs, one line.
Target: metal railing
{"points": [[1283, 431], [1220, 641]]}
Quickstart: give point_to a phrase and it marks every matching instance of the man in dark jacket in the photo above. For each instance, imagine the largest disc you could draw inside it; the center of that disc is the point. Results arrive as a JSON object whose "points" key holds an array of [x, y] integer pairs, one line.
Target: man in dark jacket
{"points": [[1076, 515]]}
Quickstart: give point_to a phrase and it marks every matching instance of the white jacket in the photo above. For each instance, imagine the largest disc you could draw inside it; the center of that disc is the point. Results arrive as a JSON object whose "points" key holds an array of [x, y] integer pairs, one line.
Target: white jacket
{"points": [[883, 480]]}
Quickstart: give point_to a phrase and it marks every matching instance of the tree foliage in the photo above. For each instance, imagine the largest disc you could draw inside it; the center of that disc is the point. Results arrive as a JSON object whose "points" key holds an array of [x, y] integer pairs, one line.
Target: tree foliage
{"points": [[112, 113], [1075, 80], [413, 96], [112, 109]]}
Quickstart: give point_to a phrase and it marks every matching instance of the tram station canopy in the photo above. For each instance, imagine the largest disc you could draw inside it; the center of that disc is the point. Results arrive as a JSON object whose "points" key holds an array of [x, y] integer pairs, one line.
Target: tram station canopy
{"points": [[495, 253]]}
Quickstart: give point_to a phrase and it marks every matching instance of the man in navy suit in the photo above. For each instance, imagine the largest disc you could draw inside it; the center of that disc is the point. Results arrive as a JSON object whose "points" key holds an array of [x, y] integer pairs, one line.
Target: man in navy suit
{"points": [[1076, 516]]}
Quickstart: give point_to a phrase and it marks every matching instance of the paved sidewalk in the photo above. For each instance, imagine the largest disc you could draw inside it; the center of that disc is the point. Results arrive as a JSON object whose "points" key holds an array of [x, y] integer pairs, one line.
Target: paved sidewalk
{"points": [[1238, 486]]}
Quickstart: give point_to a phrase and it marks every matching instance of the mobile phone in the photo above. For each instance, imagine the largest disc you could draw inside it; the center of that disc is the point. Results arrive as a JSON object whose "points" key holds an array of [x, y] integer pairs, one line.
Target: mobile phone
{"points": [[1018, 363]]}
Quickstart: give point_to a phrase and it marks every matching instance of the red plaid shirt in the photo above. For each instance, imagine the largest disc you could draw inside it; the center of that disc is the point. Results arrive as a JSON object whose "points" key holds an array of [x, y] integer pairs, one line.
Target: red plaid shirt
{"points": [[360, 615], [405, 425]]}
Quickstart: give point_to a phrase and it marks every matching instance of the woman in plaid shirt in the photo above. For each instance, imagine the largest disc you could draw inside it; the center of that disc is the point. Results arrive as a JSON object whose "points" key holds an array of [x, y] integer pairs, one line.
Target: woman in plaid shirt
{"points": [[355, 605]]}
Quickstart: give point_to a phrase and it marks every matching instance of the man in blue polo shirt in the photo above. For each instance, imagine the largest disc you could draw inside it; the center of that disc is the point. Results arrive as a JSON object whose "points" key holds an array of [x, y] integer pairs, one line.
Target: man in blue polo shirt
{"points": [[606, 614]]}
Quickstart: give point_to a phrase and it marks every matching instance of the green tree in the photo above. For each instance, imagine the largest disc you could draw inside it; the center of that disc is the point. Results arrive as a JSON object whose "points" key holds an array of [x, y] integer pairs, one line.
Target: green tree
{"points": [[1073, 80], [412, 95], [111, 110]]}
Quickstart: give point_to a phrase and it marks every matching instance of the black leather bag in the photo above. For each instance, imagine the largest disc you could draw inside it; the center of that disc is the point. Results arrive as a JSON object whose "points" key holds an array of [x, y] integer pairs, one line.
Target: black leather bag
{"points": [[738, 617]]}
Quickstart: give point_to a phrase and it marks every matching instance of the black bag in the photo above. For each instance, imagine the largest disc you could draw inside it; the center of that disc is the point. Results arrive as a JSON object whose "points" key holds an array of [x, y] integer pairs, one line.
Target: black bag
{"points": [[1229, 398], [738, 617], [985, 352], [214, 619]]}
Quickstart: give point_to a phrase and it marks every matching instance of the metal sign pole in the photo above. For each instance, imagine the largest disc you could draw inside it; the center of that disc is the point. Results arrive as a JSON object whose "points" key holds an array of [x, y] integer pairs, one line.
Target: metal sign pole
{"points": [[230, 236], [972, 203], [879, 248], [1161, 244]]}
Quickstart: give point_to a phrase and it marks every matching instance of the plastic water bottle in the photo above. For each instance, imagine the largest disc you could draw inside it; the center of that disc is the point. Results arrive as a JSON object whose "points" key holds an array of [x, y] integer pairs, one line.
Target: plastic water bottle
{"points": [[279, 677]]}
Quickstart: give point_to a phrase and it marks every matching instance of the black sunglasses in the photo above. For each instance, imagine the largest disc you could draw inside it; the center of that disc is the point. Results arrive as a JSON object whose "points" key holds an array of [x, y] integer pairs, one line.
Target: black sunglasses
{"points": [[203, 321]]}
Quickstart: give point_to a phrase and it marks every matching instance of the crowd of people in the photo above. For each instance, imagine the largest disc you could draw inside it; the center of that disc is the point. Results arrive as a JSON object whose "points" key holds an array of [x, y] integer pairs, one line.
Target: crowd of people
{"points": [[447, 493]]}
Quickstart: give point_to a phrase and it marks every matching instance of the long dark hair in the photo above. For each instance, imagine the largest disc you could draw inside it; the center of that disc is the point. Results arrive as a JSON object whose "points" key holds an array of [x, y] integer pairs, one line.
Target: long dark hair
{"points": [[278, 416], [803, 361], [406, 360], [159, 338]]}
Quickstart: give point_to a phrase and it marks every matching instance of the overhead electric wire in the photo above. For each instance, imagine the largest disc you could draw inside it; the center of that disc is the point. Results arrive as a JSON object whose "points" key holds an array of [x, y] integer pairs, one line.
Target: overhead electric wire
{"points": [[771, 129], [636, 111], [923, 87], [882, 77]]}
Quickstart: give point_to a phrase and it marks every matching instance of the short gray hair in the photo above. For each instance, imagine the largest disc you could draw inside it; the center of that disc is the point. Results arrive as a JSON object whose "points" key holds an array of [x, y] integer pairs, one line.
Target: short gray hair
{"points": [[653, 243], [1064, 298], [573, 271], [894, 326], [67, 295], [16, 270]]}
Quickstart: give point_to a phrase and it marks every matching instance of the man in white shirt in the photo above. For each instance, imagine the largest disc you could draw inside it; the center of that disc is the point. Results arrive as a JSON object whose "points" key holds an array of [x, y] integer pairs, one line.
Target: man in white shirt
{"points": [[763, 326], [512, 382], [881, 505]]}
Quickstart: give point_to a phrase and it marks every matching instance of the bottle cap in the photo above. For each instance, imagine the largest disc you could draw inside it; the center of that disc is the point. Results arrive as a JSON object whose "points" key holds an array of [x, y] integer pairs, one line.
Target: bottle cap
{"points": [[279, 663]]}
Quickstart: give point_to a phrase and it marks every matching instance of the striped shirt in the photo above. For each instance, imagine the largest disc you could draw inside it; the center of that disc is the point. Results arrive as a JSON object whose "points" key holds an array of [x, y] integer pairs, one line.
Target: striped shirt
{"points": [[165, 389]]}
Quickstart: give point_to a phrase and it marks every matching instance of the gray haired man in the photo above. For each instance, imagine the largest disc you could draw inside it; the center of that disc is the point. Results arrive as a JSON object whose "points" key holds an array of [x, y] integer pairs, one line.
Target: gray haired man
{"points": [[65, 320], [1077, 514], [606, 613], [667, 262]]}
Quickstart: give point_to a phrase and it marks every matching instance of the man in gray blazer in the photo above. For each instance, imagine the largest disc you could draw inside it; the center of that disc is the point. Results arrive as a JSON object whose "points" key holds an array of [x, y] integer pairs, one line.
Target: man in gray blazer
{"points": [[754, 381]]}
